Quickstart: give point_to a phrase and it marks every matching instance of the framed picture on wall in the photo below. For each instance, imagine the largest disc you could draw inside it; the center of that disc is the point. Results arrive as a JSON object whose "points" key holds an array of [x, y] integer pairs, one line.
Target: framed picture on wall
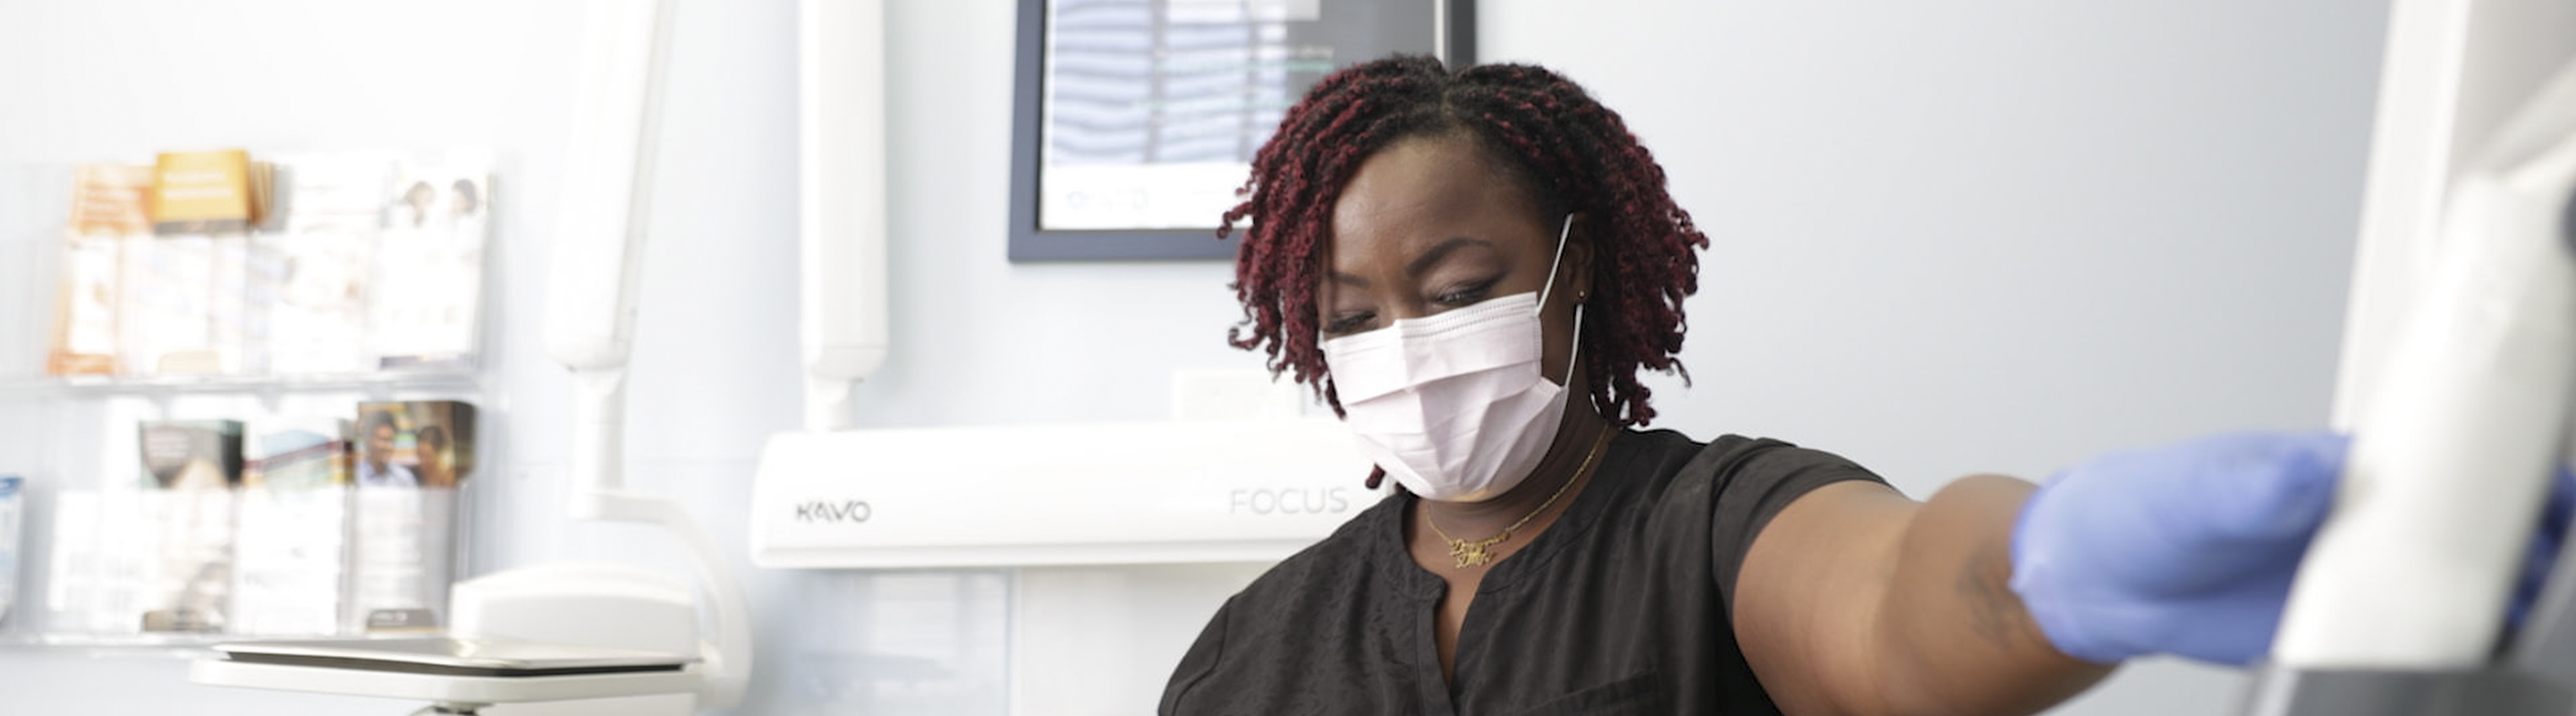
{"points": [[1135, 121]]}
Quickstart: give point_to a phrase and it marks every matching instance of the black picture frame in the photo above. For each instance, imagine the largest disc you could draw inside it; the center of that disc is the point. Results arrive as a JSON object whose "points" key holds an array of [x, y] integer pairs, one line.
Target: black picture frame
{"points": [[1454, 40]]}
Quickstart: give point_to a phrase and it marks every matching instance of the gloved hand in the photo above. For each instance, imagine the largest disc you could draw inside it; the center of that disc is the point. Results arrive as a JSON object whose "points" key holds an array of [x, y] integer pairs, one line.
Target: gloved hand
{"points": [[2190, 549]]}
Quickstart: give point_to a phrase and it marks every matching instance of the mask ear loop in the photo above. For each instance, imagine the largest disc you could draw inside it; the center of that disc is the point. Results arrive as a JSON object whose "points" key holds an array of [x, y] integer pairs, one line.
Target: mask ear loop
{"points": [[1555, 261], [1574, 359]]}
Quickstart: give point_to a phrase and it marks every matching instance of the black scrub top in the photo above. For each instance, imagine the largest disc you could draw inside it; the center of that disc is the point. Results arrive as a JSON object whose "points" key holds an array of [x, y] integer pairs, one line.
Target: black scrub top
{"points": [[1620, 607]]}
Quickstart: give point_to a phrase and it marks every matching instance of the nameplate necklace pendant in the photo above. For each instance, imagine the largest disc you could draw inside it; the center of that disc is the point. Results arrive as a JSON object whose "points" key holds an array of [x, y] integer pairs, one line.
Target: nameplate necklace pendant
{"points": [[1473, 554]]}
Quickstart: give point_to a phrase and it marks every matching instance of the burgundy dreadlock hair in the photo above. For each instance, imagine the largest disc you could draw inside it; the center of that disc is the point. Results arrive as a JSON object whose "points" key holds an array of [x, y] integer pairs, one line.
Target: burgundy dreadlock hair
{"points": [[1567, 151]]}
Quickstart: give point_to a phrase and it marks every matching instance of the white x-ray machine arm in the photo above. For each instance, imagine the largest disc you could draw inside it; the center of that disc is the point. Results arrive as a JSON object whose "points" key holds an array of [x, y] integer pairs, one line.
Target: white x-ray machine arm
{"points": [[590, 319], [841, 244]]}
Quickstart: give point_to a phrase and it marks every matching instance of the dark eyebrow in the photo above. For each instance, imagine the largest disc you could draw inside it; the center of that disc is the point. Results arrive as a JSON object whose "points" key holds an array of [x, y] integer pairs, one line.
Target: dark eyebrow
{"points": [[1420, 263], [1423, 263]]}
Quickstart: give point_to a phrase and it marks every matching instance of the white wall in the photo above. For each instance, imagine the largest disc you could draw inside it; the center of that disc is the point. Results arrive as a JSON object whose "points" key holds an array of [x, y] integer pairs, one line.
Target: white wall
{"points": [[1983, 236]]}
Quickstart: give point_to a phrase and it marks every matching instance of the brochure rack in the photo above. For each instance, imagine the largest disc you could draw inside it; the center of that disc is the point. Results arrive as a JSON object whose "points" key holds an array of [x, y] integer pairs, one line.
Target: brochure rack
{"points": [[95, 541]]}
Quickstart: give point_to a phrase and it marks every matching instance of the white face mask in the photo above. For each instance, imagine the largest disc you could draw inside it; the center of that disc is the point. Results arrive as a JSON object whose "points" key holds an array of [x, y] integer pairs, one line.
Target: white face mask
{"points": [[1453, 405]]}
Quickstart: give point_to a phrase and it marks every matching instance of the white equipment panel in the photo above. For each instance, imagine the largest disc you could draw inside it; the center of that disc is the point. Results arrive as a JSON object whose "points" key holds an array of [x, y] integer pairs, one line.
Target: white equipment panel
{"points": [[1116, 493]]}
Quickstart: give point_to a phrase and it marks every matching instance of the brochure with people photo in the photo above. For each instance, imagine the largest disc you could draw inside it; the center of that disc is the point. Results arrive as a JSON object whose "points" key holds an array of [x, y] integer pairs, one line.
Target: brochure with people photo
{"points": [[411, 457], [417, 443], [429, 267]]}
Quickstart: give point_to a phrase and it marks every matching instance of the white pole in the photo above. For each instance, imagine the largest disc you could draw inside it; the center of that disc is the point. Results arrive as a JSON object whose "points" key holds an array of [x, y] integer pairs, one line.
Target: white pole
{"points": [[841, 122]]}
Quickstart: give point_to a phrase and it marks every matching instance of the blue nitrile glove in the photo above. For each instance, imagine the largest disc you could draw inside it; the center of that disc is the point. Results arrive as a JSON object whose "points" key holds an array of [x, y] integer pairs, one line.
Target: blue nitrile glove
{"points": [[2544, 546], [2189, 549]]}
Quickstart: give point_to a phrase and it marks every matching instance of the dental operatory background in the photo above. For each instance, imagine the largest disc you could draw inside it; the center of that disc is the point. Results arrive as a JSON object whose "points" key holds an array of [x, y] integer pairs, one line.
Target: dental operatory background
{"points": [[1948, 238]]}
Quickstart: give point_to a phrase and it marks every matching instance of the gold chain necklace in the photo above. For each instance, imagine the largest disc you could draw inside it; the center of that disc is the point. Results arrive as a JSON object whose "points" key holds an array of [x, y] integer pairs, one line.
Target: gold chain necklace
{"points": [[1473, 554]]}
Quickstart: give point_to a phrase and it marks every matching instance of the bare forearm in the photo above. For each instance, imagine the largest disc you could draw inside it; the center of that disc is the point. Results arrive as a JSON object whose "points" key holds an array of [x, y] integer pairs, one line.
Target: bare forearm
{"points": [[1952, 636]]}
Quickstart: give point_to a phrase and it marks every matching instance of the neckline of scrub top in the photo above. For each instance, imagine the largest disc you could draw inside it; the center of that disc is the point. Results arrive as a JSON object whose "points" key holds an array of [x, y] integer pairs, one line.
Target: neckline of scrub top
{"points": [[1512, 569]]}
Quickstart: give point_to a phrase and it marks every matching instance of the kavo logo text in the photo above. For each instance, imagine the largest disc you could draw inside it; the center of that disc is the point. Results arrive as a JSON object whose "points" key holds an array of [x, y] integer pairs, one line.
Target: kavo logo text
{"points": [[850, 511]]}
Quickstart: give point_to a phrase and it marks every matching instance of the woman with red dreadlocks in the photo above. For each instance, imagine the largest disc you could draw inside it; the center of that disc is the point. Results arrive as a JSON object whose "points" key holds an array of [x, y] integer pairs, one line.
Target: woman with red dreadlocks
{"points": [[1472, 267]]}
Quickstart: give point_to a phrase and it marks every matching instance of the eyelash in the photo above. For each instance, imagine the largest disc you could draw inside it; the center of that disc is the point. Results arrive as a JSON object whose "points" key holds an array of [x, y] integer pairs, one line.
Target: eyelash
{"points": [[1468, 294], [1464, 295], [1346, 324]]}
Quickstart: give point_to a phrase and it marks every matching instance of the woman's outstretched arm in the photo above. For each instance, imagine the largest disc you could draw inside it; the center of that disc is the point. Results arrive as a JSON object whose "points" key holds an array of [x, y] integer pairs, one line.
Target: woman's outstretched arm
{"points": [[1856, 601], [1999, 597]]}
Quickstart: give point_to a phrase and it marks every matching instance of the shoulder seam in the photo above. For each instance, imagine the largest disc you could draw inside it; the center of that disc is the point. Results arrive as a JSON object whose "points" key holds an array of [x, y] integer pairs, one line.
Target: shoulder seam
{"points": [[1224, 615]]}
